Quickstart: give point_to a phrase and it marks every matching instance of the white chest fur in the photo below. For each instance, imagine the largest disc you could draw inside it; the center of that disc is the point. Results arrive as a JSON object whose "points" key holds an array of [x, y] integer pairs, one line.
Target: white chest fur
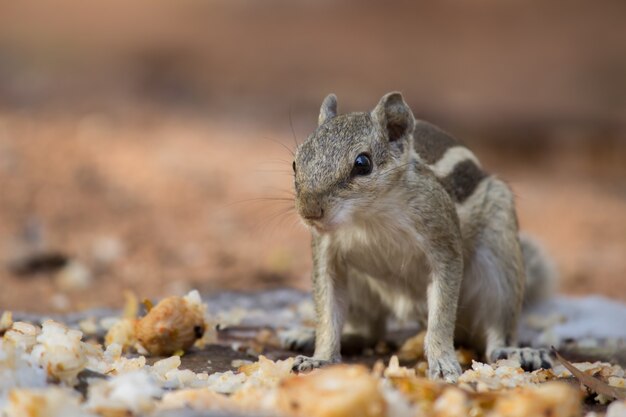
{"points": [[385, 253]]}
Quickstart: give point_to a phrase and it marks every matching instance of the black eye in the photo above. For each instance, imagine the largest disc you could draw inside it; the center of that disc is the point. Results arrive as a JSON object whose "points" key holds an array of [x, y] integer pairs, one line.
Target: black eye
{"points": [[293, 165], [362, 165]]}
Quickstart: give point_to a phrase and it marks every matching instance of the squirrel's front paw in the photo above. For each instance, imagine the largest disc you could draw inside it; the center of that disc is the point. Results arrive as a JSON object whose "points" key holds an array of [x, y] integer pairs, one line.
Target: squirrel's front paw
{"points": [[444, 367], [306, 364]]}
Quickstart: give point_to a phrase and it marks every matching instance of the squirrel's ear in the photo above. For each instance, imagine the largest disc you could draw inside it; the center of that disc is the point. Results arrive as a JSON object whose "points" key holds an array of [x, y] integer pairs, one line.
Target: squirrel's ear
{"points": [[394, 116], [328, 110]]}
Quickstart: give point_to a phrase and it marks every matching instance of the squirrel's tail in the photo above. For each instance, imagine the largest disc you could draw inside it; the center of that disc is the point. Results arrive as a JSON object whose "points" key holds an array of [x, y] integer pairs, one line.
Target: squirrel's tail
{"points": [[541, 273]]}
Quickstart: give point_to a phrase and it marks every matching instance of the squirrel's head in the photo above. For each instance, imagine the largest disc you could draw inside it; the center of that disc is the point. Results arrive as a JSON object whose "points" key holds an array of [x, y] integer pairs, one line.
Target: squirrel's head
{"points": [[350, 160]]}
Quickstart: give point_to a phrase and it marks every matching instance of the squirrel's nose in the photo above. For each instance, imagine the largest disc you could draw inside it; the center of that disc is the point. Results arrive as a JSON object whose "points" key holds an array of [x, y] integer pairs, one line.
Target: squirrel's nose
{"points": [[310, 206], [316, 213]]}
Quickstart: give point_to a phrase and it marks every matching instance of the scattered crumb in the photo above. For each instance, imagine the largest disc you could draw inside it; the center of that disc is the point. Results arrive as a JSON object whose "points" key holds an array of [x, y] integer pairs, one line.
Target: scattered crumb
{"points": [[39, 367]]}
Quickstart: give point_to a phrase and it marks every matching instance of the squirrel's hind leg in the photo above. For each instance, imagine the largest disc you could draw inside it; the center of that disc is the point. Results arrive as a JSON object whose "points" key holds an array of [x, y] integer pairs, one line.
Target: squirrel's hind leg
{"points": [[365, 323], [366, 318], [494, 281]]}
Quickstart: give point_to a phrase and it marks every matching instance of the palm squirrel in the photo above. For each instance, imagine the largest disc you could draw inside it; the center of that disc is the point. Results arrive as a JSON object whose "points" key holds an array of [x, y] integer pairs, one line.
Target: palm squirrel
{"points": [[405, 221]]}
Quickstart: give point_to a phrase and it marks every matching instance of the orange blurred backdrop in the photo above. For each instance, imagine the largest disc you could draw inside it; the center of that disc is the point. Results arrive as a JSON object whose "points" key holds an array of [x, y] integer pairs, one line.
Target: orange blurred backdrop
{"points": [[142, 143]]}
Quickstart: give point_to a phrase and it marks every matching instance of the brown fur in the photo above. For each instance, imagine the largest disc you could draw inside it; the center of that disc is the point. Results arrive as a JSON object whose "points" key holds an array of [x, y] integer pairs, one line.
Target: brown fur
{"points": [[425, 234], [431, 142]]}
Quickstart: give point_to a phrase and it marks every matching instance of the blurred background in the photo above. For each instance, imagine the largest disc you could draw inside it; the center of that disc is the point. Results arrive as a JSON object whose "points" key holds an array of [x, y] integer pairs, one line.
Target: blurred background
{"points": [[146, 145]]}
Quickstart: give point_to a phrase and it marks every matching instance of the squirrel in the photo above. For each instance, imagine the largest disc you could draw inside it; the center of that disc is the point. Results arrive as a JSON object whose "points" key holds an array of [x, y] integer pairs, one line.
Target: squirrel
{"points": [[405, 222]]}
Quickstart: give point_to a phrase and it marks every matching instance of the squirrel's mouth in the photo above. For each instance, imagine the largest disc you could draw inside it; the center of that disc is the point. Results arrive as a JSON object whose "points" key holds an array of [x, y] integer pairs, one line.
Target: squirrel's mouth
{"points": [[332, 220], [321, 224], [323, 227]]}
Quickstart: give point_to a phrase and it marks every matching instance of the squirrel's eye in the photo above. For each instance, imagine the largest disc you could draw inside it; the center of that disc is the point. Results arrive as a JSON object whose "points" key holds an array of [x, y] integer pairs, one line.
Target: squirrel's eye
{"points": [[362, 165], [293, 165]]}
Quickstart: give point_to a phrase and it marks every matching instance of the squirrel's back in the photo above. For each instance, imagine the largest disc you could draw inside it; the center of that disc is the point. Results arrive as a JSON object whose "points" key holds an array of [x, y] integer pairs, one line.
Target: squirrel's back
{"points": [[460, 173], [456, 167]]}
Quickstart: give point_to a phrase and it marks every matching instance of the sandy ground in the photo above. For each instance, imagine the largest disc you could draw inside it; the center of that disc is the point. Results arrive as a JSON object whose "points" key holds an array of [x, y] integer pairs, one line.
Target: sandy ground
{"points": [[161, 203]]}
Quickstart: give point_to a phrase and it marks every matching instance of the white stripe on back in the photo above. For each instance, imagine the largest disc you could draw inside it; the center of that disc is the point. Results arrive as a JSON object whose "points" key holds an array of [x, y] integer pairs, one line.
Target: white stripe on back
{"points": [[453, 156]]}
